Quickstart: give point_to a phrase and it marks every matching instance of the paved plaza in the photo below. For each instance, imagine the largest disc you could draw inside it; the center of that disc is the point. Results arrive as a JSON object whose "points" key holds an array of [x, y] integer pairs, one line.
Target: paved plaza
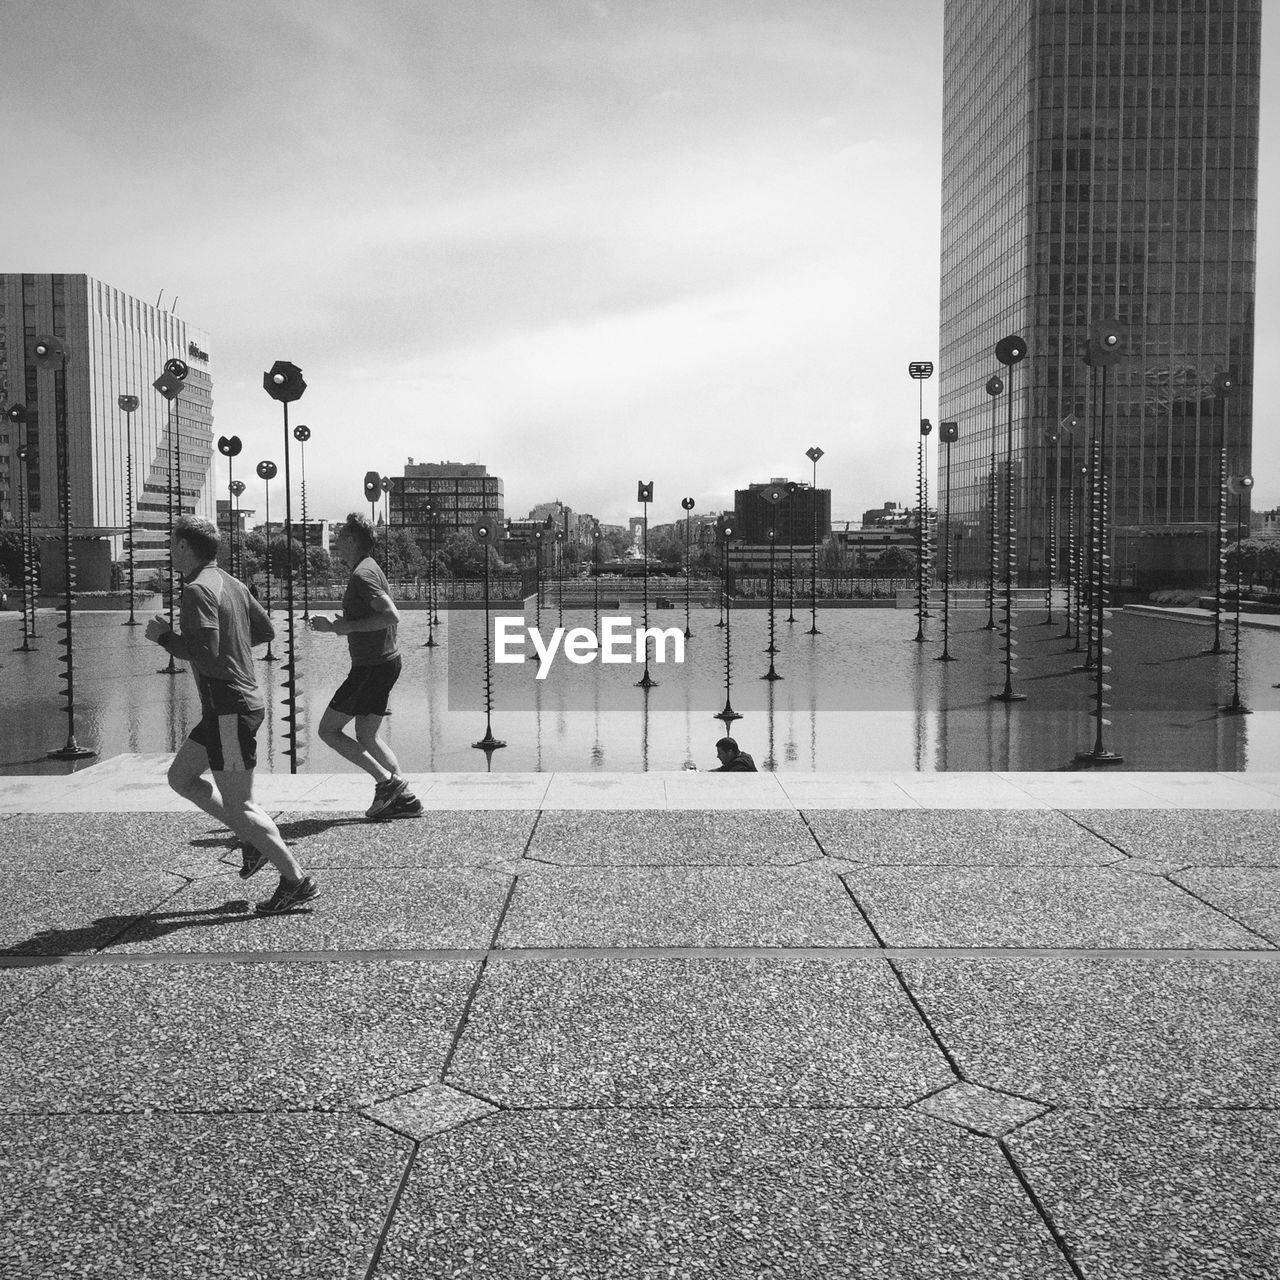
{"points": [[903, 1026]]}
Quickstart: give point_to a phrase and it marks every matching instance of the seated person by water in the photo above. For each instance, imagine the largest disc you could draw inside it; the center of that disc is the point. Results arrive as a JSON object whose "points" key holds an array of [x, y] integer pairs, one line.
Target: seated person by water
{"points": [[732, 759]]}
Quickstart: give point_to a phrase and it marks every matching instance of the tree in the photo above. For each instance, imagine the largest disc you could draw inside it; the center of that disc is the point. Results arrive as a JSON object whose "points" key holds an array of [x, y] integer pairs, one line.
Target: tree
{"points": [[11, 557], [893, 562], [668, 548]]}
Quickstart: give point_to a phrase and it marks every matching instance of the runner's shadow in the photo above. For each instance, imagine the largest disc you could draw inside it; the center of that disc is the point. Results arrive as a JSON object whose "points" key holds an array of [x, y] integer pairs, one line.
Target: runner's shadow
{"points": [[101, 933]]}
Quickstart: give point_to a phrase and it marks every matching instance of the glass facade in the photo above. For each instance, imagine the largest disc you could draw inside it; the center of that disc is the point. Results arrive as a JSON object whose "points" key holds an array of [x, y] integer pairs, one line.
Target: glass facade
{"points": [[117, 345], [457, 494], [1100, 161]]}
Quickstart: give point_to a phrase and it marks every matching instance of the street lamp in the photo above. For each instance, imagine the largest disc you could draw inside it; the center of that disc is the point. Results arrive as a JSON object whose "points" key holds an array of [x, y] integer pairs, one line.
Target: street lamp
{"points": [[1240, 486], [948, 433], [813, 455], [644, 495], [1010, 351]]}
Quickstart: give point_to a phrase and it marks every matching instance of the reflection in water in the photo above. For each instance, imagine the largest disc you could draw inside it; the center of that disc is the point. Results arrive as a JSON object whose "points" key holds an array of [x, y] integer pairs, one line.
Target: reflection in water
{"points": [[863, 696]]}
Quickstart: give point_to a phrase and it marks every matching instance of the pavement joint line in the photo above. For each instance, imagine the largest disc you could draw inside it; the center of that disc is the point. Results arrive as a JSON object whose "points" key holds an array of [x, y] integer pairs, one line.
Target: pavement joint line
{"points": [[947, 1055], [1214, 907], [376, 1257], [862, 911], [514, 955], [1046, 1217]]}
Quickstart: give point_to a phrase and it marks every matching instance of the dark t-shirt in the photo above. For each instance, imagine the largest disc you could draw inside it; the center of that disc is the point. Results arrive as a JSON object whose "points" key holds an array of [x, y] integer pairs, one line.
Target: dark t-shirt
{"points": [[214, 601], [368, 648], [741, 763]]}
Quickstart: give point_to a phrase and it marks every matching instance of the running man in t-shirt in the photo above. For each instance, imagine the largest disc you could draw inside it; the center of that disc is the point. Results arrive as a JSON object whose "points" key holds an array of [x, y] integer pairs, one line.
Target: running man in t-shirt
{"points": [[369, 621], [221, 622]]}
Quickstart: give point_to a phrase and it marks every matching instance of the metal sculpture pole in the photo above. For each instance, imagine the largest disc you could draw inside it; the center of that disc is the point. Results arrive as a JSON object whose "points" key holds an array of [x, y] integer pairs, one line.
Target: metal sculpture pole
{"points": [[17, 414], [284, 382], [267, 471], [1053, 561], [1068, 425], [595, 564], [1239, 485], [387, 486], [430, 515], [237, 487], [1009, 351], [724, 532], [773, 494], [644, 495], [995, 386], [813, 455], [539, 537], [169, 385], [948, 433], [919, 371], [688, 505], [50, 355], [1223, 386], [229, 447], [128, 405], [302, 434], [559, 545], [791, 488], [487, 534], [1104, 350]]}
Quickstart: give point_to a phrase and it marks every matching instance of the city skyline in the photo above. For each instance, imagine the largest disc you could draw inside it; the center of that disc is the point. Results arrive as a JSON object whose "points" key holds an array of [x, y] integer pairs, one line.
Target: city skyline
{"points": [[580, 243]]}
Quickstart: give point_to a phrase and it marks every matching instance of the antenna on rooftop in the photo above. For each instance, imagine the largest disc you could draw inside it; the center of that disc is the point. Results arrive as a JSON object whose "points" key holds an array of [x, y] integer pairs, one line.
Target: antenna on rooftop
{"points": [[158, 300]]}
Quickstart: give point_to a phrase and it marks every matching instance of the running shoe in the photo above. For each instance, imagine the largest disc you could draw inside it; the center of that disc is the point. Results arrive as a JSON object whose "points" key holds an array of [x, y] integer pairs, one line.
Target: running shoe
{"points": [[385, 794], [251, 861], [408, 806], [287, 897]]}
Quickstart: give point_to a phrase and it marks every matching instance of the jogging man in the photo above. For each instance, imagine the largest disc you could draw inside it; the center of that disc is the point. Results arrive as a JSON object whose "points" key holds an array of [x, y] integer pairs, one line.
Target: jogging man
{"points": [[369, 621], [221, 622]]}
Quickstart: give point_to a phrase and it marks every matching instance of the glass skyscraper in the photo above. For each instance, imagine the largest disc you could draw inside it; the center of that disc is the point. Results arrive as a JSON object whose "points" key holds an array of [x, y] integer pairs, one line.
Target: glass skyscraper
{"points": [[117, 345], [1100, 162]]}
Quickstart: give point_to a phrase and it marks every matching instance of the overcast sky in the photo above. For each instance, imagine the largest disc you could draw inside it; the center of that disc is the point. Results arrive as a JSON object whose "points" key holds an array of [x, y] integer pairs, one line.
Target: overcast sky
{"points": [[585, 242]]}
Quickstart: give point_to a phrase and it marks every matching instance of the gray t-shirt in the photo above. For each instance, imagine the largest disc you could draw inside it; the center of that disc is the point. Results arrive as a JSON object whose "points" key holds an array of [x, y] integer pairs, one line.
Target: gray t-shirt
{"points": [[368, 648], [214, 601]]}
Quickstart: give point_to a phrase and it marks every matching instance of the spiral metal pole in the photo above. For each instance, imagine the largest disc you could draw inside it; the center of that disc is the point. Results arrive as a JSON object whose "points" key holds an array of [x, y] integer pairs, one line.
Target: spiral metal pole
{"points": [[175, 473], [771, 674], [306, 574], [1052, 559], [920, 538], [72, 750], [1235, 707], [646, 681], [946, 655], [993, 537], [1007, 694], [28, 567], [488, 742], [728, 713], [290, 684], [131, 621], [1220, 563]]}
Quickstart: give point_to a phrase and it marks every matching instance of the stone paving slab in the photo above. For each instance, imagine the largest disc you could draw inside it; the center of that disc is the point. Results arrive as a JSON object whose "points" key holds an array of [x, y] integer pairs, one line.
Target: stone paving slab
{"points": [[19, 986], [232, 1037], [951, 837], [71, 912], [706, 837], [1248, 894], [694, 1032], [190, 843], [804, 906], [1085, 907], [441, 839], [1160, 1195], [270, 1197], [641, 1195], [409, 908], [1109, 1031], [1192, 837]]}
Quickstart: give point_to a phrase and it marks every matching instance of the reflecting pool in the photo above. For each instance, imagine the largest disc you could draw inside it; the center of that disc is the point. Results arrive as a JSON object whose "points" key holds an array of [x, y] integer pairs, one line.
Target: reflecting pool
{"points": [[861, 696]]}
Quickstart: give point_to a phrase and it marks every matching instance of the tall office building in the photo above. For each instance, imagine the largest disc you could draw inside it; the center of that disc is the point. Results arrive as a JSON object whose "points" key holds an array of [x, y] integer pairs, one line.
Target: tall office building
{"points": [[1100, 162], [116, 345]]}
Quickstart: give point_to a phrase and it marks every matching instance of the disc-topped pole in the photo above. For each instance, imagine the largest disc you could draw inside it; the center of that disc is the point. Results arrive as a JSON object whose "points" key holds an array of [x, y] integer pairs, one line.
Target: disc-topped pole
{"points": [[920, 370], [487, 534], [773, 495], [1223, 386], [50, 355], [284, 383], [302, 434], [128, 405], [724, 535], [995, 385], [230, 447], [267, 471], [169, 385], [688, 505], [237, 487], [644, 495], [813, 455], [1240, 486], [17, 414], [1010, 351], [948, 434]]}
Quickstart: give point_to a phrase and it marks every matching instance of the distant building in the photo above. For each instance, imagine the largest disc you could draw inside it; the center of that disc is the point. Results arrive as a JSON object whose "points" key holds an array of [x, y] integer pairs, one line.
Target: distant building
{"points": [[799, 519], [432, 500], [888, 516], [117, 345]]}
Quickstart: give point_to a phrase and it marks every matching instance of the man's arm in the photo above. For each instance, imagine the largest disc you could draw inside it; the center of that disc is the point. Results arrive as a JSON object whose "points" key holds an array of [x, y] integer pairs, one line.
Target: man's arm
{"points": [[385, 614], [261, 628]]}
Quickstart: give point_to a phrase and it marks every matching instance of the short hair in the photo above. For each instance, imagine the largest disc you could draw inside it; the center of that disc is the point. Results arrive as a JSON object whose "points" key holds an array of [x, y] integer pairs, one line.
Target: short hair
{"points": [[728, 744], [200, 535], [360, 527]]}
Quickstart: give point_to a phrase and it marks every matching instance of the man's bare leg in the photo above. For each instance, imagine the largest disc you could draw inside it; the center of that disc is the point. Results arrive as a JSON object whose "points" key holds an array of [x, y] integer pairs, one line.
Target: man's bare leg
{"points": [[228, 797], [380, 766]]}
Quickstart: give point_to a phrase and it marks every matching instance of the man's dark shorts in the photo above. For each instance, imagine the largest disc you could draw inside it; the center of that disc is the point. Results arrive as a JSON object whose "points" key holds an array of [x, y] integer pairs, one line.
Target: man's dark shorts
{"points": [[230, 741], [366, 690]]}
